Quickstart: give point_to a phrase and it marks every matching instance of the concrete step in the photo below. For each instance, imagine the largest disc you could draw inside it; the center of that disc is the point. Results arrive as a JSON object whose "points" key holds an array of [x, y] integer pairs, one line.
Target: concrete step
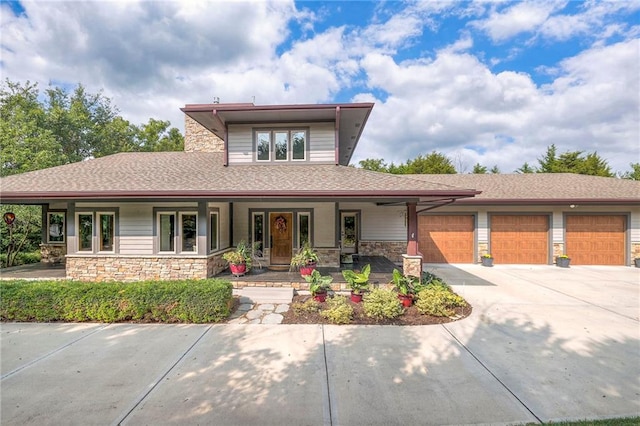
{"points": [[267, 294]]}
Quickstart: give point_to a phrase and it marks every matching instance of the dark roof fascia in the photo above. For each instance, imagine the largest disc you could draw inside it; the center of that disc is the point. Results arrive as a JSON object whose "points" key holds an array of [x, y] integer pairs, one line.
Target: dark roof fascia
{"points": [[10, 198], [252, 107], [549, 201]]}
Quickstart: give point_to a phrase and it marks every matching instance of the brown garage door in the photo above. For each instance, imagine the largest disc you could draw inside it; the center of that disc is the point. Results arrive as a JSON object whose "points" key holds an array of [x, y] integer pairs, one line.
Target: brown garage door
{"points": [[446, 239], [520, 238], [595, 240]]}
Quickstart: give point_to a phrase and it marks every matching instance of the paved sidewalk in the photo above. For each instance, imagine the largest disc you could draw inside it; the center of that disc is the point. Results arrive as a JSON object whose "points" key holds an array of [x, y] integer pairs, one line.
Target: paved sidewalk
{"points": [[542, 344]]}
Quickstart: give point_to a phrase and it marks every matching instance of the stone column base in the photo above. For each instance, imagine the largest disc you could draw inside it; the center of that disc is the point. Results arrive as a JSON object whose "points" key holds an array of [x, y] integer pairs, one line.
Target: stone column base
{"points": [[412, 265]]}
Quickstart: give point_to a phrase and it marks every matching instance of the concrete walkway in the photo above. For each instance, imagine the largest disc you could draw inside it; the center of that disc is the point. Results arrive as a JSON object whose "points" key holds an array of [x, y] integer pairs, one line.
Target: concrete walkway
{"points": [[542, 344]]}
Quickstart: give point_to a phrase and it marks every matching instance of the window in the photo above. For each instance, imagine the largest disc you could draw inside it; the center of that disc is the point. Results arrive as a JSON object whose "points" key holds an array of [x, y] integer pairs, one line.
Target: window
{"points": [[213, 231], [263, 146], [299, 145], [106, 221], [189, 232], [281, 145], [56, 227], [303, 229], [167, 231], [85, 232], [258, 232]]}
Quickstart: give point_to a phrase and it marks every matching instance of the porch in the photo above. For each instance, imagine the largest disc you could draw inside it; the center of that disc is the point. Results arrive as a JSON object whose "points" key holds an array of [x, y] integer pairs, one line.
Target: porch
{"points": [[381, 273]]}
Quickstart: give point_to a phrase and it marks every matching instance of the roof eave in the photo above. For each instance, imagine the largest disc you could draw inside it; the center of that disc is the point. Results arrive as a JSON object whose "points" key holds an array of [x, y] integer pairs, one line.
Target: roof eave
{"points": [[550, 201]]}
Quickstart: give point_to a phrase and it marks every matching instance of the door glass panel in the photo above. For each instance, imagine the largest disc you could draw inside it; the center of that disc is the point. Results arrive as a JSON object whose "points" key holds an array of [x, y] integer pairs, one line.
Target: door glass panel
{"points": [[258, 233], [303, 229], [281, 145]]}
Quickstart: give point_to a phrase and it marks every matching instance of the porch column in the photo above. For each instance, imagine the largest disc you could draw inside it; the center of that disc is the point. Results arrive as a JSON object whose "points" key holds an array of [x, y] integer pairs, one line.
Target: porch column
{"points": [[412, 261]]}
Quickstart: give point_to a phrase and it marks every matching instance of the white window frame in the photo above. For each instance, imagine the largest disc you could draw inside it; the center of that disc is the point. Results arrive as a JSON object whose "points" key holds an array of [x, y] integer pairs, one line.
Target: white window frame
{"points": [[181, 237], [306, 137], [270, 133], [175, 231], [98, 232], [62, 231], [93, 230]]}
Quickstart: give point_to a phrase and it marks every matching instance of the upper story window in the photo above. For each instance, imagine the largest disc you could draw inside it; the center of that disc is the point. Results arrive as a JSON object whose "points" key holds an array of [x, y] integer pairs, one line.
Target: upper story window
{"points": [[281, 145]]}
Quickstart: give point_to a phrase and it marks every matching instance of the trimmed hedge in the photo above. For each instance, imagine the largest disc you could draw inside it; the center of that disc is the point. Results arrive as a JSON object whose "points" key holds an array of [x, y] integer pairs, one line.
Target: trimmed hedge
{"points": [[188, 301]]}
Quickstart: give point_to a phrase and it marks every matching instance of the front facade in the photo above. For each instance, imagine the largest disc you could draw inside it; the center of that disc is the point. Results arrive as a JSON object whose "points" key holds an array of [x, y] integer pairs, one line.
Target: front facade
{"points": [[277, 176]]}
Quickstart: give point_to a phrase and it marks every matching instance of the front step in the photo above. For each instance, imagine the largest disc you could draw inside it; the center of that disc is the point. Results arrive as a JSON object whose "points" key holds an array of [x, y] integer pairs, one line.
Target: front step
{"points": [[267, 294]]}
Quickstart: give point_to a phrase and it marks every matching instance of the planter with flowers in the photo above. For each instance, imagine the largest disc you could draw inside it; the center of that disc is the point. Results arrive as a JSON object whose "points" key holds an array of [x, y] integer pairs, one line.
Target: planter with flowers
{"points": [[405, 286], [318, 285], [563, 261], [358, 282], [305, 260], [239, 259], [486, 259]]}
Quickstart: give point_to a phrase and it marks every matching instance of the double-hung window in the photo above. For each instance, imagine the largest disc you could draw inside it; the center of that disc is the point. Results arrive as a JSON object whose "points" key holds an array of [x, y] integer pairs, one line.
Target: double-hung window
{"points": [[281, 145]]}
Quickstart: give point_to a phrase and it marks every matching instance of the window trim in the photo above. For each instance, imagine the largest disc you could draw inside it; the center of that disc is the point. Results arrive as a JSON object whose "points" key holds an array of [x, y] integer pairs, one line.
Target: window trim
{"points": [[212, 213], [299, 225], [98, 231], [177, 213], [159, 231], [93, 231], [180, 234], [255, 214]]}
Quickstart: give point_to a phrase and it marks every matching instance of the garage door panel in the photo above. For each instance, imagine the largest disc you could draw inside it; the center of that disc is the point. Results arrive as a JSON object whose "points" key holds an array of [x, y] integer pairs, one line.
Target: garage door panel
{"points": [[520, 239], [446, 239], [596, 239]]}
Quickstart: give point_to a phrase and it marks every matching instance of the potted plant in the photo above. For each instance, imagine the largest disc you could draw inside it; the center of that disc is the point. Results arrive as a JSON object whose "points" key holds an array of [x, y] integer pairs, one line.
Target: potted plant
{"points": [[563, 261], [486, 259], [239, 259], [318, 285], [358, 282], [305, 260], [404, 285], [637, 262]]}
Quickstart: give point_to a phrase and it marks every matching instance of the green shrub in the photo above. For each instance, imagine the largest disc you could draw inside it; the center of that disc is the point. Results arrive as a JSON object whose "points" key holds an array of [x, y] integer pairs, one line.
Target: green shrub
{"points": [[382, 304], [338, 311], [22, 258], [309, 306], [439, 301], [194, 301]]}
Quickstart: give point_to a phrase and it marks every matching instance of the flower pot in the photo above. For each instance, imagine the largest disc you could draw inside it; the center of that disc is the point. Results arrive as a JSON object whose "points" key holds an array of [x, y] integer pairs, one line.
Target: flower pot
{"points": [[320, 296], [406, 299], [239, 269], [356, 298], [487, 261], [307, 269], [637, 262], [563, 262]]}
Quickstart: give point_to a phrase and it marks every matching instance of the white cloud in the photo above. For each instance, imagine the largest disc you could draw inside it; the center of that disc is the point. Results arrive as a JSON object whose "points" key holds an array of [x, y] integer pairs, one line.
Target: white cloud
{"points": [[517, 18]]}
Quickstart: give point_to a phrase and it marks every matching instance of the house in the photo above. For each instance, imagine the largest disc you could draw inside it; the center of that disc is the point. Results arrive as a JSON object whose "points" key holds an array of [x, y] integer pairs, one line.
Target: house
{"points": [[278, 175], [275, 176]]}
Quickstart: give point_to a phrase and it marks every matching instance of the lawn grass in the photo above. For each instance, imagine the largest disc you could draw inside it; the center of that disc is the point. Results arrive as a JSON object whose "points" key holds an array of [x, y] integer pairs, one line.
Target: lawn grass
{"points": [[621, 421], [184, 301]]}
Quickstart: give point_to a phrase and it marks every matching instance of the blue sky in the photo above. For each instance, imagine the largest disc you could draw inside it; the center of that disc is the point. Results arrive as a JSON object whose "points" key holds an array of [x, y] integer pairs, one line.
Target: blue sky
{"points": [[483, 82]]}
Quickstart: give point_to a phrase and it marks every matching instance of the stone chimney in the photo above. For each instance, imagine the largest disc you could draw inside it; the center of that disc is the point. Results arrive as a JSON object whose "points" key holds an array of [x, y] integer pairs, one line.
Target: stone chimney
{"points": [[198, 138]]}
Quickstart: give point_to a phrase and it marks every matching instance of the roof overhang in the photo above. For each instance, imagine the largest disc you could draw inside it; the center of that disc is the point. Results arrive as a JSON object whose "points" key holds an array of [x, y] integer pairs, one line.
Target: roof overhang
{"points": [[349, 118]]}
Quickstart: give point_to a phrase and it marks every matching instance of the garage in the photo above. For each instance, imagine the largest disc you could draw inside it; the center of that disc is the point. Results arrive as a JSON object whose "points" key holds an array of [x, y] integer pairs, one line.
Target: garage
{"points": [[520, 239], [446, 238], [595, 239]]}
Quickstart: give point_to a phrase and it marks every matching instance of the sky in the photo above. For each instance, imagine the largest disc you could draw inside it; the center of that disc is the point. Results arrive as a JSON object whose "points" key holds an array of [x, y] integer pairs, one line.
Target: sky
{"points": [[488, 82]]}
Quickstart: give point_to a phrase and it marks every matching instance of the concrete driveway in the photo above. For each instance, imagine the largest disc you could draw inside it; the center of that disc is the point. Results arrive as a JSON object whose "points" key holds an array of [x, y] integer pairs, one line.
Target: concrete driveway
{"points": [[543, 343]]}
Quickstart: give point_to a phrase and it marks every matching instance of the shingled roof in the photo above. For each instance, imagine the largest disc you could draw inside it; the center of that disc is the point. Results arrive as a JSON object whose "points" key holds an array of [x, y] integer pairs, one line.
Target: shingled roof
{"points": [[541, 188], [188, 175]]}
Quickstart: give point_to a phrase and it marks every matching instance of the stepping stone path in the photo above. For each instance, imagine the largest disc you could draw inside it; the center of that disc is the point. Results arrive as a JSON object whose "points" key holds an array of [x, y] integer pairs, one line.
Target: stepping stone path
{"points": [[261, 305]]}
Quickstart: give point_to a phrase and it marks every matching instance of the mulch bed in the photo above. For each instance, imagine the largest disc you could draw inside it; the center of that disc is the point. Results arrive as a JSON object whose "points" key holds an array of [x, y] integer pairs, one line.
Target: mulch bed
{"points": [[411, 316]]}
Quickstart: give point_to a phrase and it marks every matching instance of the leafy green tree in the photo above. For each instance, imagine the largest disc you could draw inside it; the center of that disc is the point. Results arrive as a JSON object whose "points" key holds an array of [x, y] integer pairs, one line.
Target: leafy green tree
{"points": [[433, 163], [526, 168], [23, 236], [573, 162], [634, 174], [156, 136], [373, 164], [495, 170], [26, 143], [479, 170]]}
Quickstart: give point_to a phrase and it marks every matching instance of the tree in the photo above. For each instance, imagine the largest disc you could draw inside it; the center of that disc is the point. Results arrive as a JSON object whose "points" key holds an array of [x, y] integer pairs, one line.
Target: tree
{"points": [[26, 143], [434, 163], [526, 168], [479, 170], [373, 164], [634, 174], [573, 162], [23, 236], [495, 170]]}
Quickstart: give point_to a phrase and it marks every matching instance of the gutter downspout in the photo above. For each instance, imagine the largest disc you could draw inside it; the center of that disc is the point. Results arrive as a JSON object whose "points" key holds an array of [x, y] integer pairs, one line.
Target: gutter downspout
{"points": [[337, 136]]}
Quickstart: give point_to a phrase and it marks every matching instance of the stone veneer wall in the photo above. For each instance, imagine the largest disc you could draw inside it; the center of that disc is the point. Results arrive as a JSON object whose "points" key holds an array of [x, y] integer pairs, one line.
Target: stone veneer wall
{"points": [[52, 253], [198, 138], [112, 268], [392, 250], [635, 252], [329, 257]]}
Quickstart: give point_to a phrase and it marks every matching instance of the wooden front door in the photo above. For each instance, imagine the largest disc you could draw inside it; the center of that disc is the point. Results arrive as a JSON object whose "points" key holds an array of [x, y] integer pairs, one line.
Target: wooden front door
{"points": [[281, 225]]}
